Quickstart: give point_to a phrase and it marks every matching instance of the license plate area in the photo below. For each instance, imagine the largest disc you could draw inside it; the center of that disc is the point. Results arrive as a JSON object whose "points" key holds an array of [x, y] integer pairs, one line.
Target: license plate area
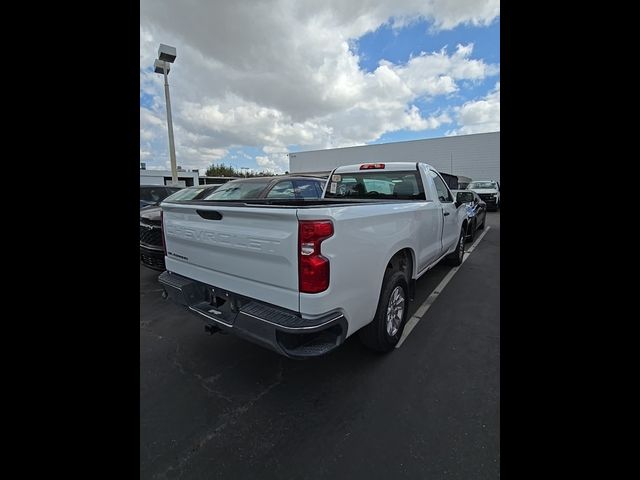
{"points": [[219, 305]]}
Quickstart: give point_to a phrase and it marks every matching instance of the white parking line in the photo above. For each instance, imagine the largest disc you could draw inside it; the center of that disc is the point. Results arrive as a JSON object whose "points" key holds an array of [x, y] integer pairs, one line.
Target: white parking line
{"points": [[422, 309]]}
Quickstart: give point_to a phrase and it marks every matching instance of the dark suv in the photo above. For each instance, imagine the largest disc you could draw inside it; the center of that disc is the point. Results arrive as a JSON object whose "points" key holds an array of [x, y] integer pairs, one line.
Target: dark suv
{"points": [[151, 247], [154, 194], [269, 187]]}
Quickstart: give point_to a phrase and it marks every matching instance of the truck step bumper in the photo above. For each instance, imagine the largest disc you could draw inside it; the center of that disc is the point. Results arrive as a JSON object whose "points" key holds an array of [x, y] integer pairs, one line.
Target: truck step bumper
{"points": [[278, 329]]}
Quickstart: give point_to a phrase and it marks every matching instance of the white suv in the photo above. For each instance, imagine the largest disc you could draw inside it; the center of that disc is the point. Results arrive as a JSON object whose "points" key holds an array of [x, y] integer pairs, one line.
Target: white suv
{"points": [[488, 191]]}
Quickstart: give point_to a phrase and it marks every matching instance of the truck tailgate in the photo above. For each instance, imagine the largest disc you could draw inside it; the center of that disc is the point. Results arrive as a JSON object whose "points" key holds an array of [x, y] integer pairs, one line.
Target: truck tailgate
{"points": [[251, 251]]}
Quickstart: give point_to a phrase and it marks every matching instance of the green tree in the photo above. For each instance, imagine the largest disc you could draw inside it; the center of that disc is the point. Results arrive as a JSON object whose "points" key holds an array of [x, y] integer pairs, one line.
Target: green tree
{"points": [[221, 170]]}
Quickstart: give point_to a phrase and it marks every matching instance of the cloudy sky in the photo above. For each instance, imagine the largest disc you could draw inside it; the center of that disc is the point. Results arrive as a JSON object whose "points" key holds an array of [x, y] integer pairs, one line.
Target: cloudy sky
{"points": [[255, 79]]}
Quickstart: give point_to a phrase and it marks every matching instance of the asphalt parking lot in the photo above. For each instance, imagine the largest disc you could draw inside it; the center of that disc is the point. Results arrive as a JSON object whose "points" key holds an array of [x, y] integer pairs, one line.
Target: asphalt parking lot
{"points": [[220, 407]]}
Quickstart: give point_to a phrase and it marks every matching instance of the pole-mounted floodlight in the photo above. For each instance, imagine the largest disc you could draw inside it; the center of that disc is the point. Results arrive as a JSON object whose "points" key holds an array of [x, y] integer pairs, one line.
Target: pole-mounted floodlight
{"points": [[167, 53], [166, 56], [159, 66]]}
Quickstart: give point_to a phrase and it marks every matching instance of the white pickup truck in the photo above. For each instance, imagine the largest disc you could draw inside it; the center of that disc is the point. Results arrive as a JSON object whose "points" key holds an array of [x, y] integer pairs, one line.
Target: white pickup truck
{"points": [[300, 276]]}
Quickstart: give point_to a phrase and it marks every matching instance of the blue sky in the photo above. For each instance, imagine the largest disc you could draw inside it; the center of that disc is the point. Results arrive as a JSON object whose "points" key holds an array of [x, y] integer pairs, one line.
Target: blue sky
{"points": [[399, 45], [248, 108]]}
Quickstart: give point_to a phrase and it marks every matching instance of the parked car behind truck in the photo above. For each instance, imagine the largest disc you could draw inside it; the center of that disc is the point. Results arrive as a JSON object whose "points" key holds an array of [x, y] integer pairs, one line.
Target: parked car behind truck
{"points": [[476, 211], [151, 246], [488, 191], [151, 195], [284, 187], [300, 276]]}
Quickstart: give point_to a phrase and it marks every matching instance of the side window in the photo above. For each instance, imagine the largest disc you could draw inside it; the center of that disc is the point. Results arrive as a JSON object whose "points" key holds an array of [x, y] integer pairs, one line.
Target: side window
{"points": [[444, 195], [144, 194], [307, 189], [282, 190], [153, 194]]}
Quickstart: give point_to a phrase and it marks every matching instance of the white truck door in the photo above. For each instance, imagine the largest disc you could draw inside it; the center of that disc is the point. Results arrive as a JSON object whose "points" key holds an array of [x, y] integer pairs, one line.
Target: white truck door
{"points": [[450, 231], [429, 220]]}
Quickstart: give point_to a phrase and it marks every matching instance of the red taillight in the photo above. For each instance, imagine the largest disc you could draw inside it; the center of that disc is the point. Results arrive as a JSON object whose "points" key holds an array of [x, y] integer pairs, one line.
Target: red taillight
{"points": [[313, 268], [164, 245], [370, 166]]}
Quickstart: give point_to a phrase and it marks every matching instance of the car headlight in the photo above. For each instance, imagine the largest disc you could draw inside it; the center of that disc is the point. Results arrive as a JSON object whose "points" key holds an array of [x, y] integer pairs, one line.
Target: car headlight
{"points": [[495, 195]]}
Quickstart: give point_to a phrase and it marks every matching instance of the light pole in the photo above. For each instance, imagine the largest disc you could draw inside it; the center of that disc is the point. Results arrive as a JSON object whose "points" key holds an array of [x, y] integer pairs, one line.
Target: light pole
{"points": [[245, 170], [167, 55]]}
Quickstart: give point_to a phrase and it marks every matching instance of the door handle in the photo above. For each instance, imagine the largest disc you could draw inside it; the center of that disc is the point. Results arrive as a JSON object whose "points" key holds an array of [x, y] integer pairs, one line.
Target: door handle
{"points": [[446, 213]]}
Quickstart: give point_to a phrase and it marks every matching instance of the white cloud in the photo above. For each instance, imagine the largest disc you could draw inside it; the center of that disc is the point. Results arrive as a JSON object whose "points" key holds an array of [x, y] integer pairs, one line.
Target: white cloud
{"points": [[480, 116], [150, 125], [268, 165], [279, 72], [450, 13]]}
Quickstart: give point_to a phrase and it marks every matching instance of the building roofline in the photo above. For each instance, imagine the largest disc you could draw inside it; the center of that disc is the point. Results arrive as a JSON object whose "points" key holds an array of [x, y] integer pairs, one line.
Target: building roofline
{"points": [[392, 143]]}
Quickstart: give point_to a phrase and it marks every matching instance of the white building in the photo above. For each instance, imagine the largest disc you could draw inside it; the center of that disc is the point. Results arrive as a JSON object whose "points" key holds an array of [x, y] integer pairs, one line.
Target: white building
{"points": [[163, 177], [476, 156]]}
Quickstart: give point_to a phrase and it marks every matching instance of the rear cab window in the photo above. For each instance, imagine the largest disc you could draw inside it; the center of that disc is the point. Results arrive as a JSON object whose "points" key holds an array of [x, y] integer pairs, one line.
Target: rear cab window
{"points": [[376, 184]]}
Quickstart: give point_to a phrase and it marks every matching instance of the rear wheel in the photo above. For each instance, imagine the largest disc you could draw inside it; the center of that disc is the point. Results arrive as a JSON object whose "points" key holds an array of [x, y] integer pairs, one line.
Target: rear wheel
{"points": [[384, 332]]}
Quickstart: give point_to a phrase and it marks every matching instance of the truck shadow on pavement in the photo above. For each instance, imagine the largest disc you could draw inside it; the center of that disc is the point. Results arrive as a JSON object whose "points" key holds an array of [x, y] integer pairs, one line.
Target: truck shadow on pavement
{"points": [[221, 404]]}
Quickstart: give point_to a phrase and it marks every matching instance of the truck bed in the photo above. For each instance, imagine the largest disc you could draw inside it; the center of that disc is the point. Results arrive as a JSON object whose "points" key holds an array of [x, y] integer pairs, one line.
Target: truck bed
{"points": [[296, 203]]}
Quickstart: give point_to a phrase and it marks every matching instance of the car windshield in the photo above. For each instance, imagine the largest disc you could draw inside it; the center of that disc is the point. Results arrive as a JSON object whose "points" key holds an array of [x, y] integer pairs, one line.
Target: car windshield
{"points": [[394, 185], [479, 185], [239, 190], [186, 194], [192, 193], [155, 194]]}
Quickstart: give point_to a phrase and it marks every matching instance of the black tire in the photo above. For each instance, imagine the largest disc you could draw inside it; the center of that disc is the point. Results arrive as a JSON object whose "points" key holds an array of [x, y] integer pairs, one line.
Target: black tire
{"points": [[455, 257], [472, 232], [376, 335]]}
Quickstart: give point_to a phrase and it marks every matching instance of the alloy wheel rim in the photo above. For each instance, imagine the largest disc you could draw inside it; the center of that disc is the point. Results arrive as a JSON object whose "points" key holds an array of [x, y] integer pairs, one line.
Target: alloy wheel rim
{"points": [[395, 311]]}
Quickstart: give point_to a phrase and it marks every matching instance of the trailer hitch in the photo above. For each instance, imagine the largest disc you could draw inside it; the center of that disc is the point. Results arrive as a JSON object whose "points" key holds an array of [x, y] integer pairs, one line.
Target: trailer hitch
{"points": [[211, 329]]}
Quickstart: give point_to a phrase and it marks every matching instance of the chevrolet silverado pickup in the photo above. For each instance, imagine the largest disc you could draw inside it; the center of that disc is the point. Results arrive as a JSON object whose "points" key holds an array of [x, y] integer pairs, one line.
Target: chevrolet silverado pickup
{"points": [[300, 276]]}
